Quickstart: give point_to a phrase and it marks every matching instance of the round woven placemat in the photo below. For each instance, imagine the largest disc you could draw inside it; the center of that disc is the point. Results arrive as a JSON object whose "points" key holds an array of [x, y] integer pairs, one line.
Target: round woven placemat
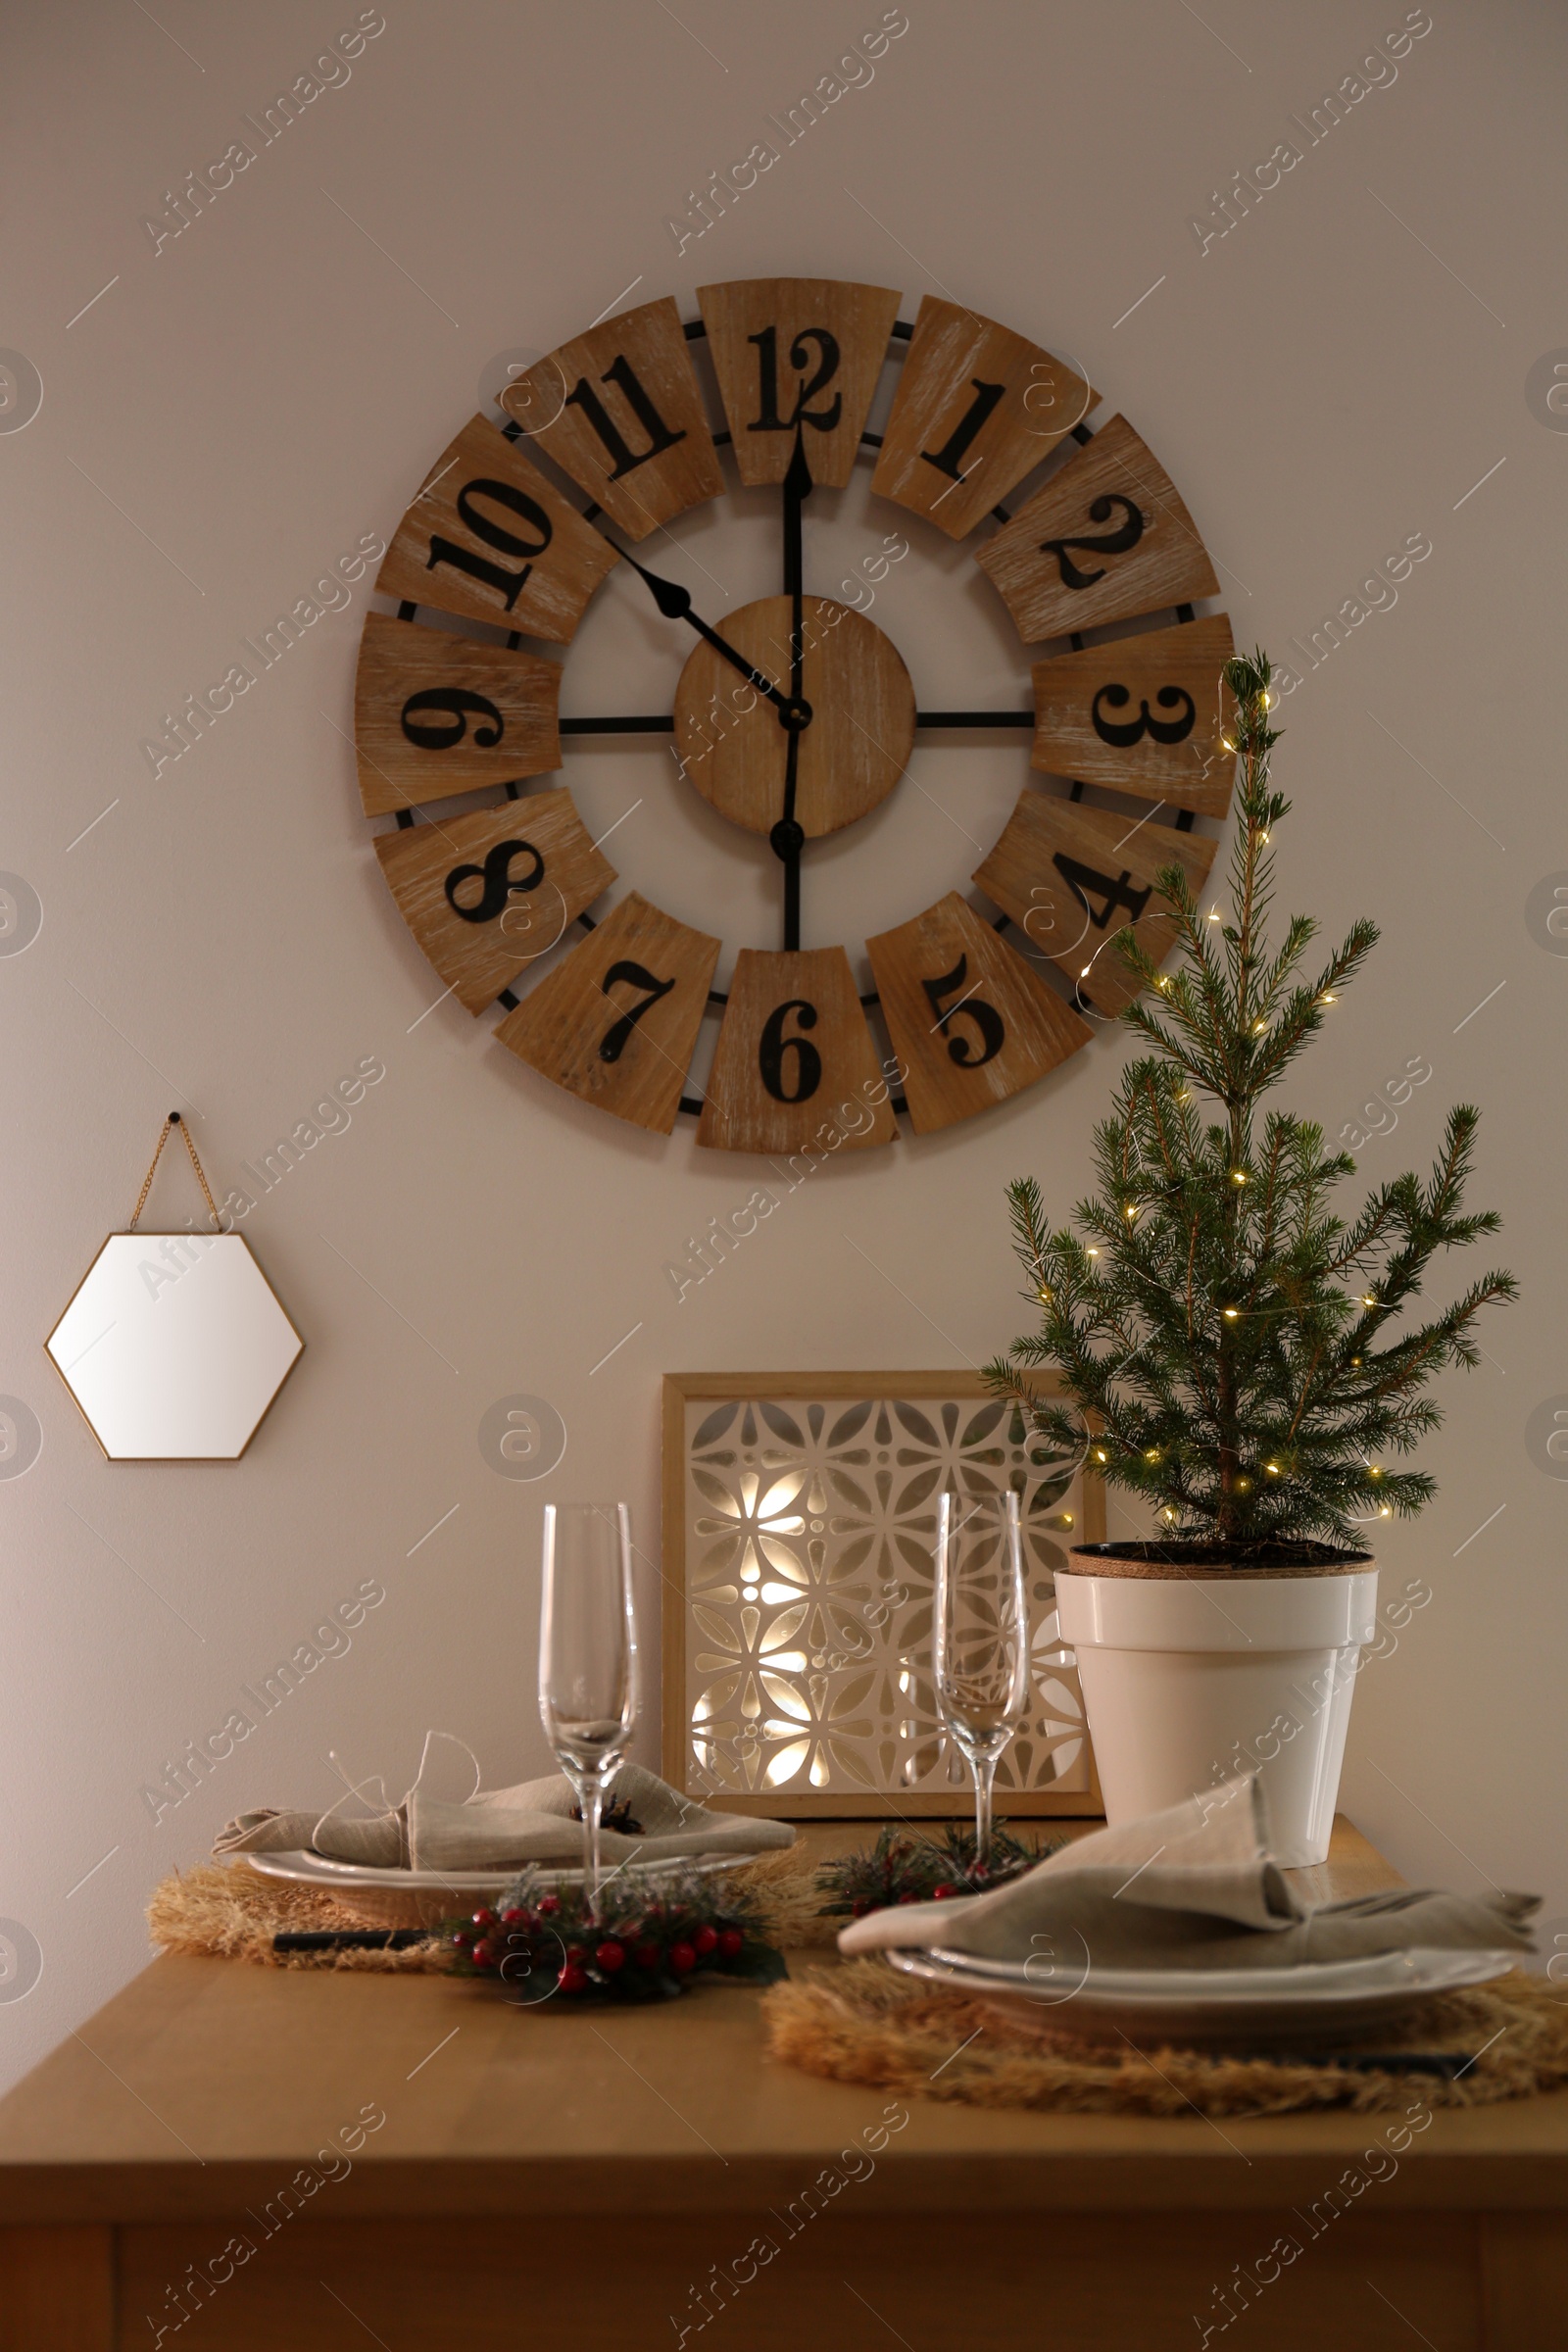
{"points": [[864, 2024], [225, 1911]]}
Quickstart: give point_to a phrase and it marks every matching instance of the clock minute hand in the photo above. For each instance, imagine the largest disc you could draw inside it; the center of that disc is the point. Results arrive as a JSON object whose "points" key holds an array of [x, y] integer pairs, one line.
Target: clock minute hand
{"points": [[797, 490], [787, 838], [676, 603], [797, 487]]}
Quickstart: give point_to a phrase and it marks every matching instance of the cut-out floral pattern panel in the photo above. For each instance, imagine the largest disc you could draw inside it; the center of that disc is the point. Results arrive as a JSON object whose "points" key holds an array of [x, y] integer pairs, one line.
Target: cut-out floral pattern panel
{"points": [[808, 1595]]}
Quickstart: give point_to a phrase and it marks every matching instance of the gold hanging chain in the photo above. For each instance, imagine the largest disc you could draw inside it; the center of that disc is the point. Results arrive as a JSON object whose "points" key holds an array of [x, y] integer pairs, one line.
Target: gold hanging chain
{"points": [[174, 1121]]}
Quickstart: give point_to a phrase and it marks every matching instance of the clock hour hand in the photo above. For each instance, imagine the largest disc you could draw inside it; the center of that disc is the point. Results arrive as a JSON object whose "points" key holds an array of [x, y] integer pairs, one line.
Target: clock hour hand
{"points": [[676, 603], [787, 840]]}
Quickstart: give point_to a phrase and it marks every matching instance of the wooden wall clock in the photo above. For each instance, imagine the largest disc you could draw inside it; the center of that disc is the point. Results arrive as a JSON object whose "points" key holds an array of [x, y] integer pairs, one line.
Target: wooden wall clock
{"points": [[609, 438]]}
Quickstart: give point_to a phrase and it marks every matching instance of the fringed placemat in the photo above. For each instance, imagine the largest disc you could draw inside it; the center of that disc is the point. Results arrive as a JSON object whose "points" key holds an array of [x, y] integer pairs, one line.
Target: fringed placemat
{"points": [[226, 1911], [864, 2024]]}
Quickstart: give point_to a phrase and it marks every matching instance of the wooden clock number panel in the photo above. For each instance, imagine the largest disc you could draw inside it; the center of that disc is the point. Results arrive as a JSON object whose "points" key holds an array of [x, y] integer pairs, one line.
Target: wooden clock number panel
{"points": [[1072, 879], [977, 407], [797, 351], [970, 1021], [617, 1021], [489, 537], [795, 1064], [486, 894], [436, 714], [1107, 538], [626, 418], [1144, 715]]}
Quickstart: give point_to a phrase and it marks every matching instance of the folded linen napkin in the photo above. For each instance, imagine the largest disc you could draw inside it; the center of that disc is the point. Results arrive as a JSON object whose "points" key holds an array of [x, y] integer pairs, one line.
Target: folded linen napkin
{"points": [[1191, 1887], [502, 1827]]}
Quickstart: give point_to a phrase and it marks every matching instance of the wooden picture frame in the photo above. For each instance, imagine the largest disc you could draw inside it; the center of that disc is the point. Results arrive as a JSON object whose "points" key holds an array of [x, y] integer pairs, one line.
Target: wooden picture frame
{"points": [[793, 1640]]}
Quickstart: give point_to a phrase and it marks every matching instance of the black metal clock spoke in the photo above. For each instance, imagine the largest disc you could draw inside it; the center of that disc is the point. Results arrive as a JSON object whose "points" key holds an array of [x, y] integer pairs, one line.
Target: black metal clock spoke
{"points": [[974, 718], [652, 725]]}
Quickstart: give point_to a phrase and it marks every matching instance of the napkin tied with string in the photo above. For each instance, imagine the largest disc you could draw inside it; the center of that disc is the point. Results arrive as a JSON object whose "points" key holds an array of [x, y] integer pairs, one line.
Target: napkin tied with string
{"points": [[502, 1828], [1192, 1888]]}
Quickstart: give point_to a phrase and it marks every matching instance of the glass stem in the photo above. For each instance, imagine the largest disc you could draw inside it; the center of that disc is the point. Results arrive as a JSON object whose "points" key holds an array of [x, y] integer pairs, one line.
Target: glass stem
{"points": [[591, 1804], [984, 1769]]}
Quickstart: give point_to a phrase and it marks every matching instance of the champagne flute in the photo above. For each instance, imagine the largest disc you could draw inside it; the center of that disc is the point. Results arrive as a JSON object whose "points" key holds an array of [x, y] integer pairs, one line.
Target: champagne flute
{"points": [[980, 1637], [588, 1657]]}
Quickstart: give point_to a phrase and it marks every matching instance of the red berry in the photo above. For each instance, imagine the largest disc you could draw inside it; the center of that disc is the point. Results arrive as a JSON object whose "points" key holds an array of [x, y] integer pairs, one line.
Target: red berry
{"points": [[705, 1942], [548, 1905], [513, 1918], [572, 1979], [484, 1955], [731, 1943], [610, 1956], [463, 1938], [909, 1899], [682, 1959], [940, 1894], [484, 1917], [860, 1907], [647, 1955]]}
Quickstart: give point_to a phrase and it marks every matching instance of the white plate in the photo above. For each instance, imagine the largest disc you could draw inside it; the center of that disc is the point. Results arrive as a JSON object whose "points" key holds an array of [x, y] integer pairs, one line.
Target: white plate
{"points": [[1259, 2007], [418, 1898]]}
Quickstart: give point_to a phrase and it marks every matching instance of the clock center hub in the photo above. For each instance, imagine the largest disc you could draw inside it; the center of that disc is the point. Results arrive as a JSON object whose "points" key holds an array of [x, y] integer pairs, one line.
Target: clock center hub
{"points": [[852, 723]]}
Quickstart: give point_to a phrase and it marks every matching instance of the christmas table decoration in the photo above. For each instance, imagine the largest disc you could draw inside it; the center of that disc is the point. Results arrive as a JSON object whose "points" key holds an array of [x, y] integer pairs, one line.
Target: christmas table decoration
{"points": [[630, 1945], [1233, 1351], [906, 1867]]}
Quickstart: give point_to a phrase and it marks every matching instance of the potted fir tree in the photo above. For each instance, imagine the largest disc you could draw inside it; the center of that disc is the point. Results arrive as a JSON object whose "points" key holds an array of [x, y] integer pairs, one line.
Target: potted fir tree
{"points": [[1236, 1353]]}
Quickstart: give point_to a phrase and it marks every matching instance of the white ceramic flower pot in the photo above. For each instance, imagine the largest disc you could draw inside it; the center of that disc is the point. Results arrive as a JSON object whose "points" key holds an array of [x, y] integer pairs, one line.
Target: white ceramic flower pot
{"points": [[1189, 1679]]}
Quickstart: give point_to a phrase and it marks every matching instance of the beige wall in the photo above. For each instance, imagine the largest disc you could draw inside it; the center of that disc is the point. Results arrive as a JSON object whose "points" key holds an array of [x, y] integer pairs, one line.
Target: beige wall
{"points": [[1325, 382]]}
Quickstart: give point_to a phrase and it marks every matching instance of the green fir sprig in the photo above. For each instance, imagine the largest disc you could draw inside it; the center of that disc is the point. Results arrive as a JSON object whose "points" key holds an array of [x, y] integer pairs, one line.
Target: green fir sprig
{"points": [[904, 1867], [1237, 1353]]}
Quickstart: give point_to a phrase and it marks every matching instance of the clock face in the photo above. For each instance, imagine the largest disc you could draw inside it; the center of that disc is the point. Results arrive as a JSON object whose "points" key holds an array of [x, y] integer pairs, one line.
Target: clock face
{"points": [[795, 715]]}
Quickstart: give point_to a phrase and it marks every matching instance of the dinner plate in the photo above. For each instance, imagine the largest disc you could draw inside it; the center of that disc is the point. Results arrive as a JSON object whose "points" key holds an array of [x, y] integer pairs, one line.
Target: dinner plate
{"points": [[1318, 2003], [419, 1898]]}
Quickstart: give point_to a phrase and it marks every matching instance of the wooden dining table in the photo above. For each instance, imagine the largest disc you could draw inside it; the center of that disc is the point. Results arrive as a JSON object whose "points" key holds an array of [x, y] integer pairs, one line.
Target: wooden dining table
{"points": [[313, 2161]]}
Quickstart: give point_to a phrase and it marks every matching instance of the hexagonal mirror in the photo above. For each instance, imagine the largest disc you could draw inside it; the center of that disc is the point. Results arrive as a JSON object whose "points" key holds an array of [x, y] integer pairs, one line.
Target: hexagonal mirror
{"points": [[174, 1346]]}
